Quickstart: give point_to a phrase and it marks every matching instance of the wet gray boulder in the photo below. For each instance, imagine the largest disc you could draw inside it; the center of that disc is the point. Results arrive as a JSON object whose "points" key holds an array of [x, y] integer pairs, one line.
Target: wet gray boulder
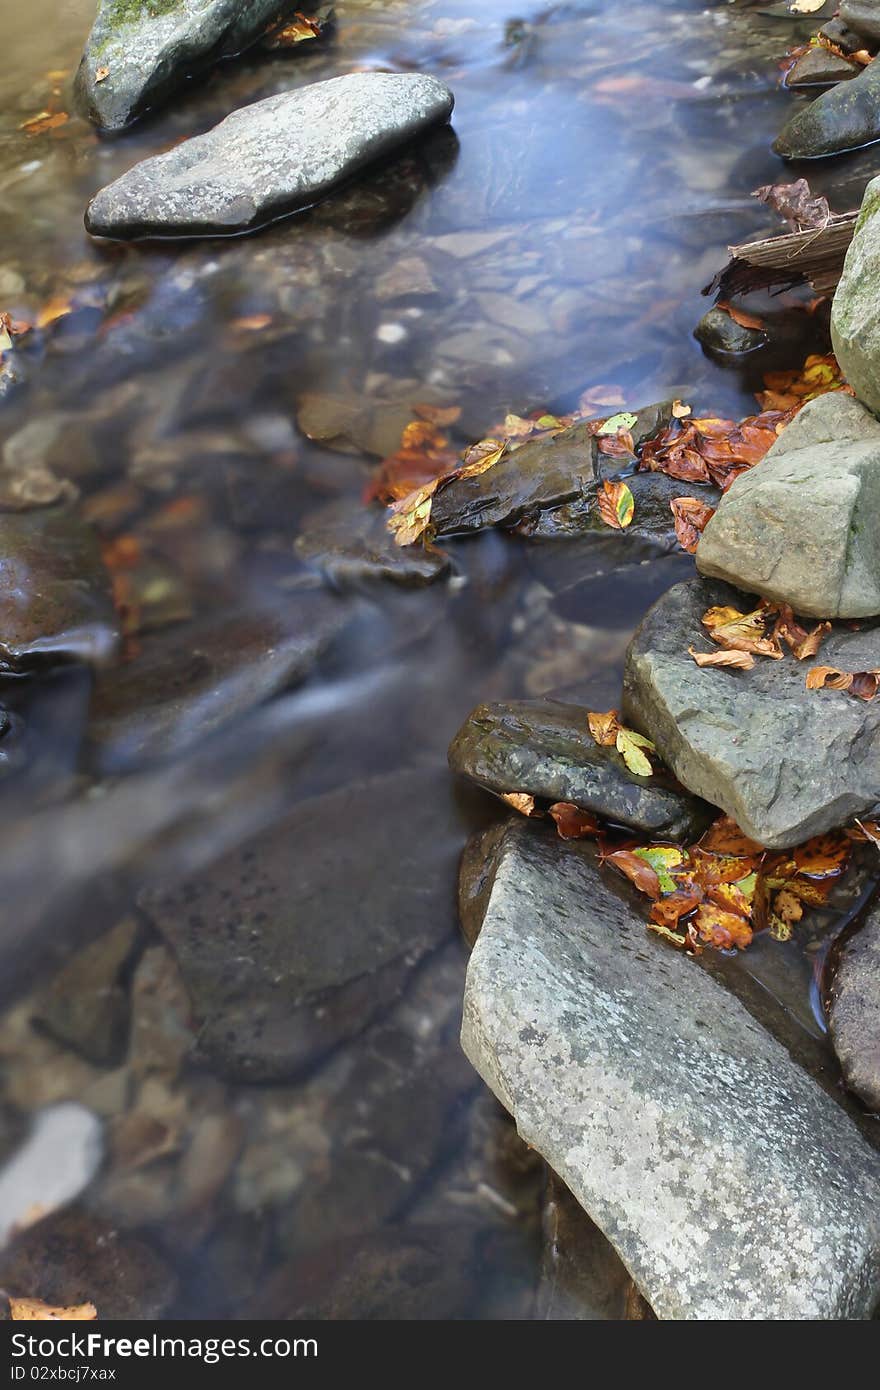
{"points": [[854, 1011], [800, 527], [844, 118], [541, 475], [784, 761], [731, 1184], [284, 950], [719, 333], [271, 158], [349, 543], [855, 310], [139, 51], [863, 16], [55, 597], [819, 67], [546, 749]]}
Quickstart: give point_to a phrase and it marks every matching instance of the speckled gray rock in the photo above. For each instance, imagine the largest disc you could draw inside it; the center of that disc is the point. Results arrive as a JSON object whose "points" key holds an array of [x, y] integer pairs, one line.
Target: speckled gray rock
{"points": [[864, 17], [730, 1183], [800, 527], [270, 158], [784, 761], [855, 310], [854, 1011], [546, 749], [844, 118], [139, 50]]}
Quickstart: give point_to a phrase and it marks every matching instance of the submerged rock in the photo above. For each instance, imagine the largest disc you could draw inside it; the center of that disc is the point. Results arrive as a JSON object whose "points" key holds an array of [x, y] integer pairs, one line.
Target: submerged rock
{"points": [[844, 118], [55, 598], [271, 158], [139, 50], [784, 761], [284, 950], [189, 681], [799, 528], [86, 1006], [540, 475], [718, 332], [546, 749], [730, 1183], [854, 1011], [349, 543], [819, 67], [855, 310]]}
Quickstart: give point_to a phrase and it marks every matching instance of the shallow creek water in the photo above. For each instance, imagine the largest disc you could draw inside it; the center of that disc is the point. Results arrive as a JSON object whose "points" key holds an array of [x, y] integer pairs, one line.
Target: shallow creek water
{"points": [[556, 239]]}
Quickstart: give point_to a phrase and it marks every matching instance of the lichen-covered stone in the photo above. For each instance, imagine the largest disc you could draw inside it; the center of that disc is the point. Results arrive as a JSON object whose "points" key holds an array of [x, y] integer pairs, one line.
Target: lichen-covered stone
{"points": [[855, 311], [844, 118], [854, 1011], [731, 1184], [271, 158], [784, 761], [139, 51], [546, 749], [800, 527]]}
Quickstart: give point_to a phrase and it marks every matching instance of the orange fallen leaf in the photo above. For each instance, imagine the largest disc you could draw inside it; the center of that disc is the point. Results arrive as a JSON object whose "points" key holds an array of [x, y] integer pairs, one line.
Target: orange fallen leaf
{"points": [[101, 74], [636, 870], [251, 323], [572, 823], [604, 727], [55, 308], [725, 837], [691, 517], [721, 929], [441, 415], [616, 505], [801, 642], [736, 660], [35, 1310], [744, 632], [740, 316], [862, 684], [520, 801]]}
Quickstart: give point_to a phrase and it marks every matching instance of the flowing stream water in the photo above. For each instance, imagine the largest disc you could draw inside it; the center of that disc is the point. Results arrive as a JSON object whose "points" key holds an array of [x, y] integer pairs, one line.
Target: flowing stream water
{"points": [[555, 240]]}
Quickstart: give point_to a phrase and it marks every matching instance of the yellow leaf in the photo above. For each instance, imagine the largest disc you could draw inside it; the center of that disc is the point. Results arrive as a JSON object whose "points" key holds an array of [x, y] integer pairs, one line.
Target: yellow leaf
{"points": [[631, 746], [35, 1310]]}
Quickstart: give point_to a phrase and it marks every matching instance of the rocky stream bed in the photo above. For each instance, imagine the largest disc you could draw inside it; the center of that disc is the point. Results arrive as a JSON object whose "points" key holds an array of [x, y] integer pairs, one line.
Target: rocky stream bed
{"points": [[414, 590]]}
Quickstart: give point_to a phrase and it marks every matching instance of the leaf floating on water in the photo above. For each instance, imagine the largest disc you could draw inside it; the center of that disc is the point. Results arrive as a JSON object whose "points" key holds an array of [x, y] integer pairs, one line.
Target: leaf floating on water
{"points": [[737, 661], [616, 505], [300, 29], [822, 857], [604, 727], [691, 516], [631, 747], [572, 823], [522, 802], [724, 930], [35, 1310], [43, 121]]}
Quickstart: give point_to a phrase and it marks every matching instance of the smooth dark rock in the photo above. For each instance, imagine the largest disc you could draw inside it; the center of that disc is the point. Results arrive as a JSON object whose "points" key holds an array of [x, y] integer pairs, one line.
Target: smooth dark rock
{"points": [[842, 36], [863, 17], [546, 749], [139, 51], [55, 597], [650, 533], [719, 333], [274, 157], [819, 67], [582, 1277], [854, 1011], [188, 681], [73, 1257], [538, 476], [86, 1006], [476, 873], [349, 543], [784, 761], [844, 118], [731, 1184], [293, 943]]}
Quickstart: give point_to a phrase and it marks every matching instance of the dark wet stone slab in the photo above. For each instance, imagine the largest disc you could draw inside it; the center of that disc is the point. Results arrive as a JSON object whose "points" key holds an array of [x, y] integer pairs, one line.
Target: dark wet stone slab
{"points": [[582, 1277], [854, 1010], [55, 597], [844, 118], [819, 67], [476, 872], [350, 543], [186, 682], [73, 1257], [546, 749], [293, 943]]}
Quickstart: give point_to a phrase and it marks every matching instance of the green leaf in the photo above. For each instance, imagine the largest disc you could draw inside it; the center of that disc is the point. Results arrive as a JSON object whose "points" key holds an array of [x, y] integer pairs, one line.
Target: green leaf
{"points": [[662, 858], [624, 421]]}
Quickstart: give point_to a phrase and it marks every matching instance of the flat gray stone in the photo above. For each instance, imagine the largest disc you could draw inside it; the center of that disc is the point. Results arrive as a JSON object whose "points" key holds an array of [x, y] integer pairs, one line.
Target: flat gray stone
{"points": [[843, 118], [799, 527], [855, 310], [139, 51], [819, 67], [732, 1186], [854, 1011], [546, 749], [271, 158], [784, 761]]}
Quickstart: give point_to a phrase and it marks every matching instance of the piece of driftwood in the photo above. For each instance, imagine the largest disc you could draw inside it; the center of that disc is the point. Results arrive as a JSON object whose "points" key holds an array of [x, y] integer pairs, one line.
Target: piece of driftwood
{"points": [[814, 256]]}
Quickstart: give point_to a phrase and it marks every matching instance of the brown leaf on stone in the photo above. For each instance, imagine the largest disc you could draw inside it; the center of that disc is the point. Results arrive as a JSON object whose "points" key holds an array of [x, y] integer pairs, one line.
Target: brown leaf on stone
{"points": [[736, 660], [690, 516], [862, 684], [616, 505], [605, 727], [522, 802], [794, 202], [572, 823], [801, 642], [636, 870], [35, 1310], [725, 837], [740, 316], [744, 632]]}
